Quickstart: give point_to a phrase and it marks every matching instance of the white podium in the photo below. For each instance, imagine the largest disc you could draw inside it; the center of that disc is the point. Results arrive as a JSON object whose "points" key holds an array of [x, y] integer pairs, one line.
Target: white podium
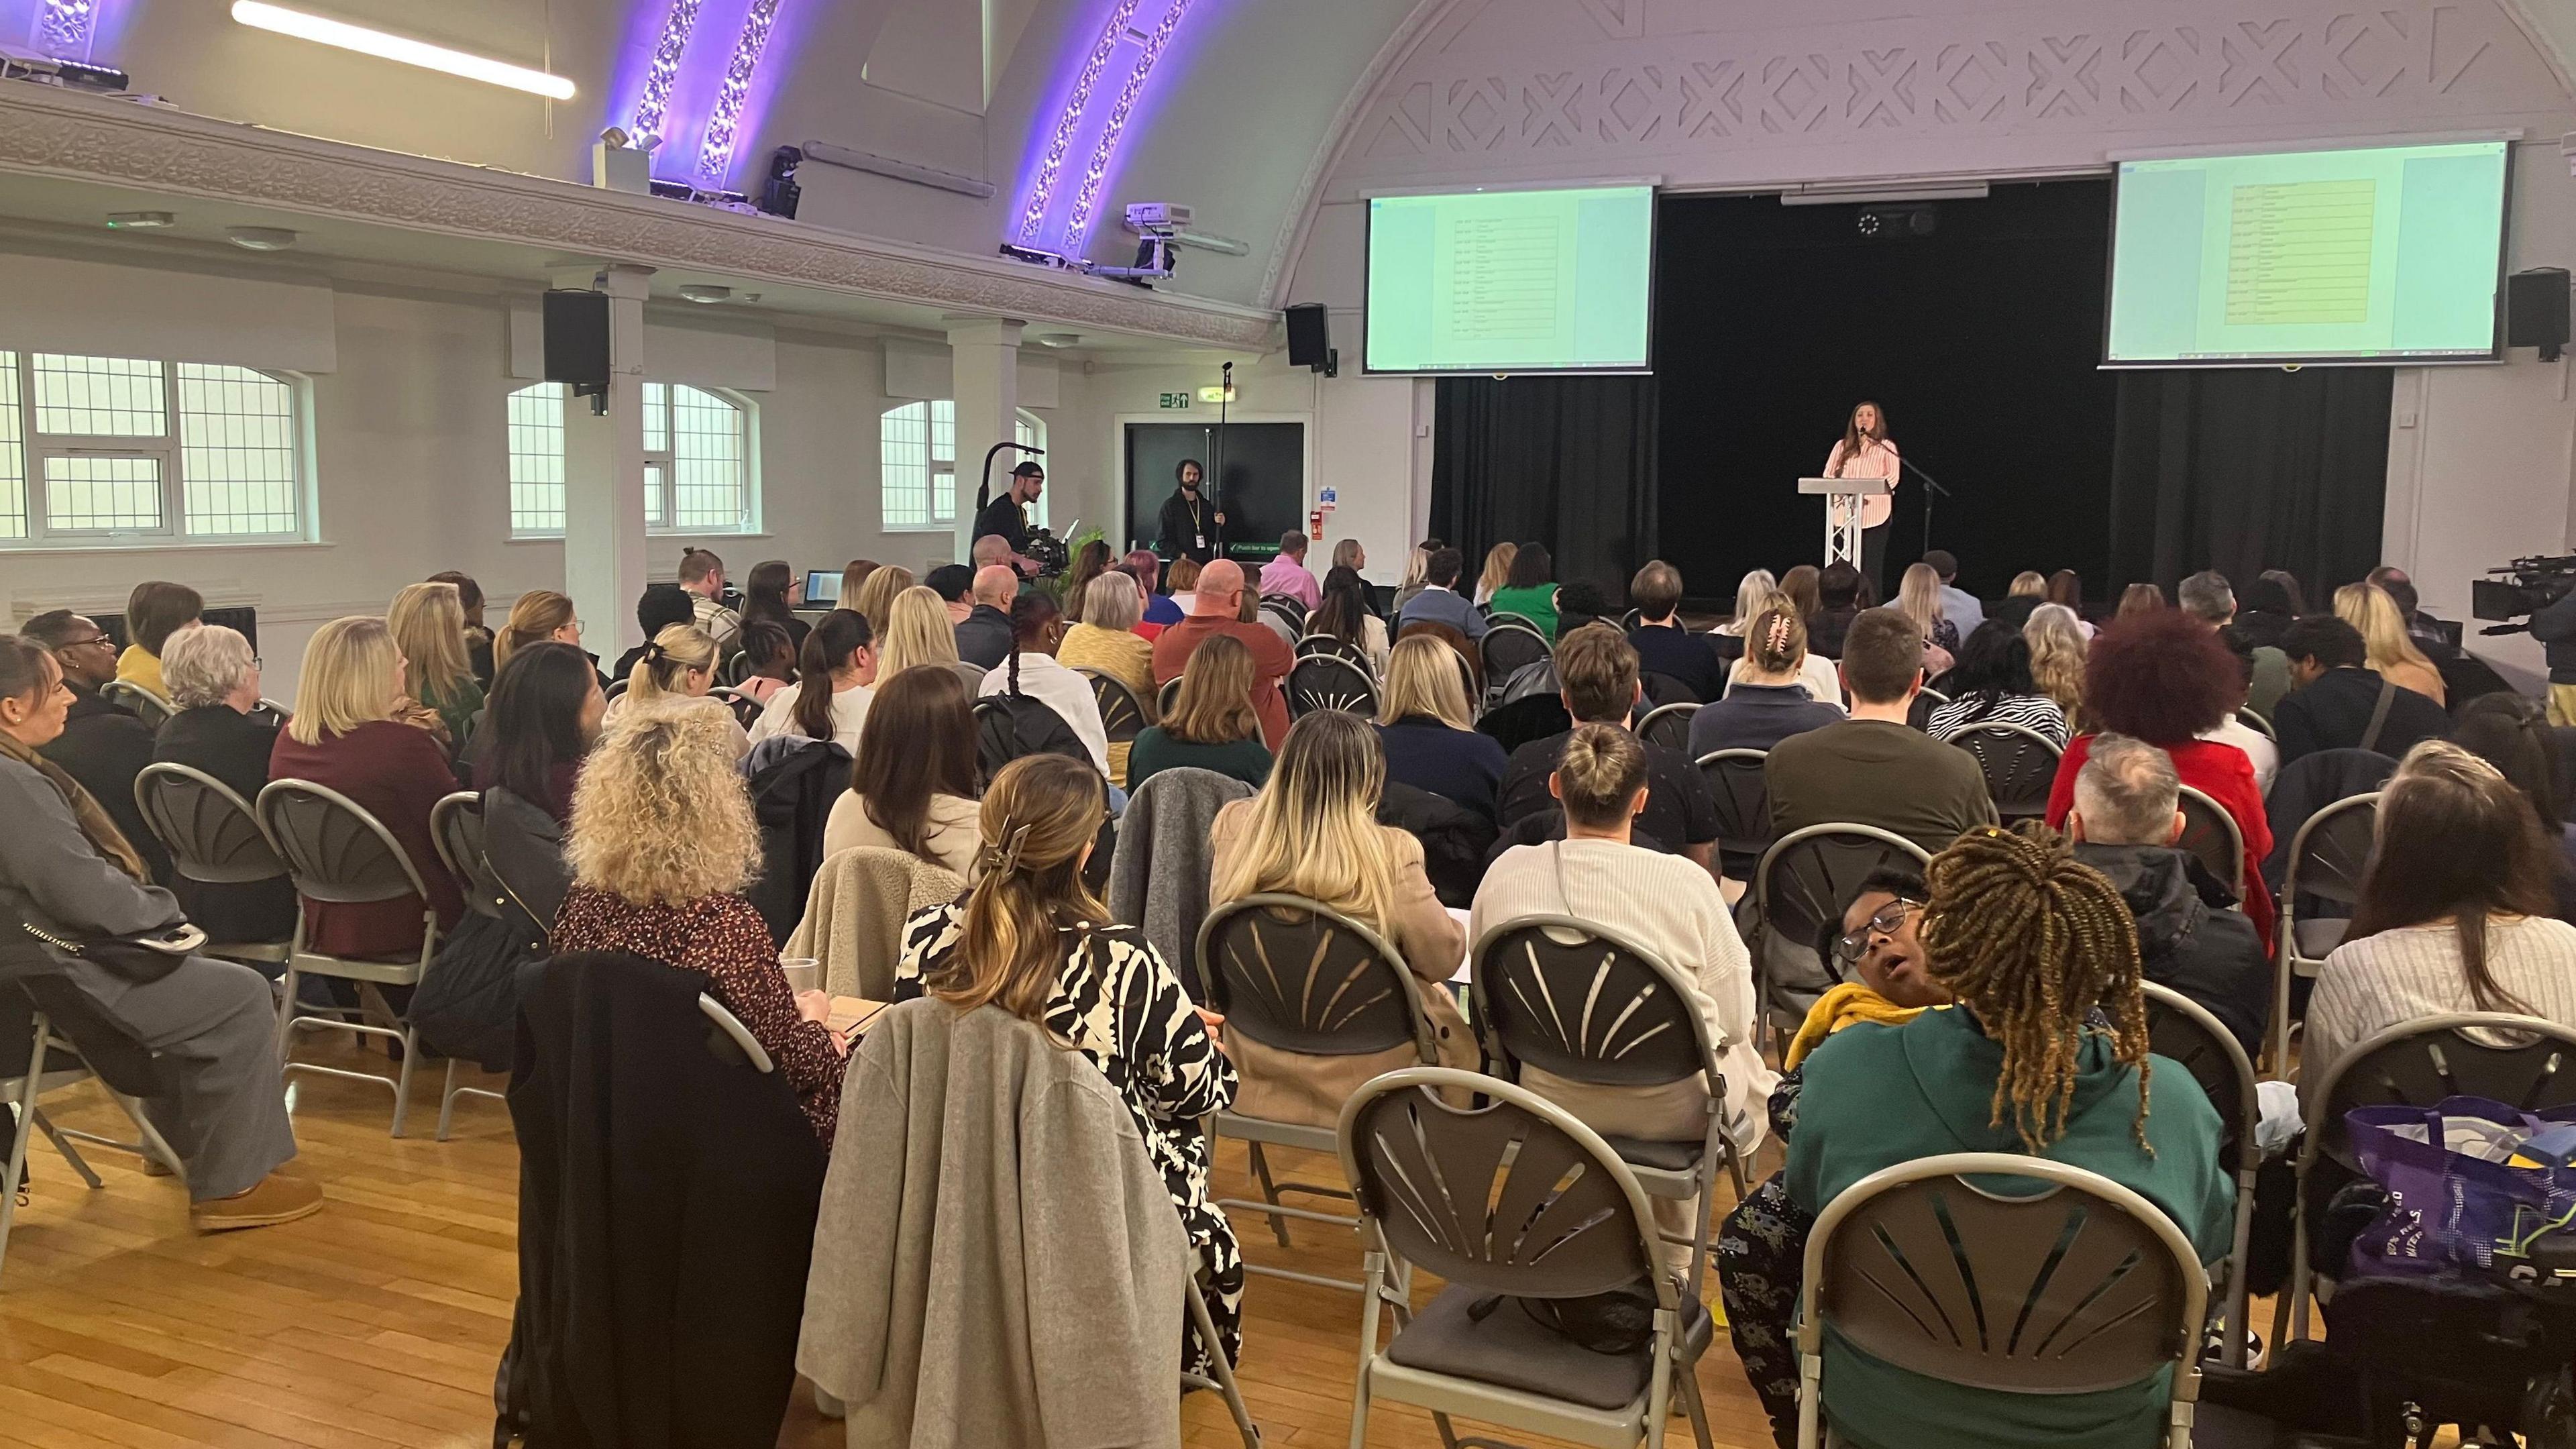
{"points": [[1845, 499]]}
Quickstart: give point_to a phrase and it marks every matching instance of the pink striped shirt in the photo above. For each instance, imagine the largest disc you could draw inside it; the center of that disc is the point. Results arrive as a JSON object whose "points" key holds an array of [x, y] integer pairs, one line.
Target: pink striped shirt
{"points": [[1876, 459]]}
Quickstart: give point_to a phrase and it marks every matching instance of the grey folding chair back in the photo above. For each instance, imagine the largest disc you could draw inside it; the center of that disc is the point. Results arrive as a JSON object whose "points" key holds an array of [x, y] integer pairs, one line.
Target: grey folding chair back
{"points": [[2071, 1284], [2257, 724], [1668, 725], [1167, 697], [745, 708], [1806, 879], [2320, 888], [1337, 648], [133, 698], [1743, 796], [1122, 715], [210, 831], [2019, 764], [972, 675], [1328, 681], [735, 668], [1510, 647], [2183, 1030], [456, 828], [1499, 617], [2213, 837]]}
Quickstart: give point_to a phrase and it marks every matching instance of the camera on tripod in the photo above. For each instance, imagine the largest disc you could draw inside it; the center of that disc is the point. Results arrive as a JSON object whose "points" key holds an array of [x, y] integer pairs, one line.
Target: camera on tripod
{"points": [[2520, 589]]}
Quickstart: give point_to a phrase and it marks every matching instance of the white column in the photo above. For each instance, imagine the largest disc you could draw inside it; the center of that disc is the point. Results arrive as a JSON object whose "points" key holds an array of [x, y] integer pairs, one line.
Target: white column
{"points": [[985, 376], [604, 472]]}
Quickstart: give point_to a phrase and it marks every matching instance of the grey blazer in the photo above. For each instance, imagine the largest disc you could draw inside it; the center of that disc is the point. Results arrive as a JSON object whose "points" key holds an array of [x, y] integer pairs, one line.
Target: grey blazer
{"points": [[51, 877]]}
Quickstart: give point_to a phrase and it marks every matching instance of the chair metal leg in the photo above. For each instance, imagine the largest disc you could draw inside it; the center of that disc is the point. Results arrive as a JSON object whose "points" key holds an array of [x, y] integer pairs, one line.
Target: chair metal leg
{"points": [[286, 1010], [1691, 1405], [26, 1123], [1372, 1279], [447, 1100], [62, 1144], [1811, 1393], [2232, 1354], [402, 1080], [1269, 1192], [1221, 1369]]}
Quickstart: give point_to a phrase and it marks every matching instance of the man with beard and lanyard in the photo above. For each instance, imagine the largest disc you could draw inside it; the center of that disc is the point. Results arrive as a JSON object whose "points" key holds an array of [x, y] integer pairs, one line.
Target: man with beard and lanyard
{"points": [[1192, 525], [1006, 517]]}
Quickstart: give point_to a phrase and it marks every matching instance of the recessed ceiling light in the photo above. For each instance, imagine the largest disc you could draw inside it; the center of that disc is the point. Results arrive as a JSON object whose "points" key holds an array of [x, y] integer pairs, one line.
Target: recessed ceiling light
{"points": [[260, 238], [1057, 339], [140, 220], [710, 295]]}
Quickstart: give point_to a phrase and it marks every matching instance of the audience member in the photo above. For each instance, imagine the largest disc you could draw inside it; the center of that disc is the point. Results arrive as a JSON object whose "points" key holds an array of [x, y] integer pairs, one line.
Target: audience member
{"points": [[2454, 914], [984, 637], [2420, 626], [2031, 944], [2273, 602], [1992, 684], [546, 712], [2337, 702], [1417, 574], [662, 606], [153, 612], [1770, 698], [2029, 584], [1212, 724], [1497, 572], [2027, 595], [1181, 586], [1428, 729], [1580, 602], [1106, 642], [1596, 675], [917, 633], [344, 737], [478, 639], [1032, 671], [1663, 903], [771, 594], [1918, 597], [1345, 617], [2165, 679], [1804, 586], [2261, 750], [1437, 601], [677, 670], [1287, 575], [1663, 645], [875, 599], [1959, 606], [1530, 591], [955, 586], [661, 843], [912, 783], [1313, 832], [2512, 734], [1089, 562], [1874, 769], [99, 745], [2066, 587], [2208, 597], [1214, 610], [1350, 553], [210, 1025], [2058, 646], [428, 624], [1033, 938], [2385, 647], [538, 615], [854, 576], [833, 688], [985, 555], [1839, 603], [2126, 819], [220, 729], [2140, 599], [1752, 592], [770, 657], [1159, 612], [703, 575]]}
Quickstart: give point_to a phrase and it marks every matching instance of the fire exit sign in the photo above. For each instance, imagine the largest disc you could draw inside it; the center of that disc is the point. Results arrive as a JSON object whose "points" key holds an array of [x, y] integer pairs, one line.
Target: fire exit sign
{"points": [[1173, 400]]}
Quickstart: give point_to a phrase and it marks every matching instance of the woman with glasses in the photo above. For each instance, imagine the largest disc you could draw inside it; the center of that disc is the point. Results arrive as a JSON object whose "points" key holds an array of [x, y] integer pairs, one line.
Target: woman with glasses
{"points": [[220, 729]]}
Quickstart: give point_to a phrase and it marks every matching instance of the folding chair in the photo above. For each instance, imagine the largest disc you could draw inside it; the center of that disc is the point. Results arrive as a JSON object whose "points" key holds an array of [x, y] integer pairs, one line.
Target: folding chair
{"points": [[1298, 976], [337, 852], [2019, 764], [2184, 1030], [616, 687], [2212, 836], [1581, 1002], [1806, 879], [1512, 1200], [456, 829], [2257, 724], [37, 1056], [1328, 681], [1337, 648], [745, 708], [1668, 725], [735, 668], [2327, 858], [1743, 799], [2418, 1064], [1510, 646], [1122, 715], [138, 701], [2083, 1287], [1506, 616], [1167, 697], [213, 839]]}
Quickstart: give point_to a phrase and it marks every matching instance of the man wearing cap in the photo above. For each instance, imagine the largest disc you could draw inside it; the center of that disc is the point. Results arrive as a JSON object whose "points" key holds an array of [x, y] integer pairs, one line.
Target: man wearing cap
{"points": [[1006, 517]]}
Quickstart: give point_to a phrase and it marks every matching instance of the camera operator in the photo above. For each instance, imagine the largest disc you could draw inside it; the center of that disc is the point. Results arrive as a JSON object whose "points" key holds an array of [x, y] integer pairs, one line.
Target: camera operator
{"points": [[1006, 517], [2555, 628]]}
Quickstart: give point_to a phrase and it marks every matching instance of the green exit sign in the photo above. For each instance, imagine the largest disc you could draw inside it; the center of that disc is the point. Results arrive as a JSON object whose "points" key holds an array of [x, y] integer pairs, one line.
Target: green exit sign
{"points": [[1173, 399]]}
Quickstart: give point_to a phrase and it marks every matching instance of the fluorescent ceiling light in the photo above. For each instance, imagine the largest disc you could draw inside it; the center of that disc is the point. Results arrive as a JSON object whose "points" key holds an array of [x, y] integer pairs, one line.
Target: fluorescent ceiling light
{"points": [[408, 51]]}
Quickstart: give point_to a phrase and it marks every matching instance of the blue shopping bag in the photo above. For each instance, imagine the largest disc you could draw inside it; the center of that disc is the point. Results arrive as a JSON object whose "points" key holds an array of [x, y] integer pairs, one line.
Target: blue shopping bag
{"points": [[2457, 1203]]}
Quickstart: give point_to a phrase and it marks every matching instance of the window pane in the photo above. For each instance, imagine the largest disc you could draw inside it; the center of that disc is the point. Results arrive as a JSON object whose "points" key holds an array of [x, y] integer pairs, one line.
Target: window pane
{"points": [[652, 495], [1029, 433], [903, 466], [236, 451], [706, 461], [943, 450], [657, 418], [13, 453], [537, 459], [100, 494], [106, 397]]}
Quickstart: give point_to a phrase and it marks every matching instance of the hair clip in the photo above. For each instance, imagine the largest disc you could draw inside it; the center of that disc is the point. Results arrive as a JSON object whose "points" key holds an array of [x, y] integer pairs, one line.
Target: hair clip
{"points": [[655, 653], [1004, 858]]}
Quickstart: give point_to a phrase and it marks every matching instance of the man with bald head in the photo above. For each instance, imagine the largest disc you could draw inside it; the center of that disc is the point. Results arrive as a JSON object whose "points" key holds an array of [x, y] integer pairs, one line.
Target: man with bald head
{"points": [[1216, 609], [991, 549], [984, 635]]}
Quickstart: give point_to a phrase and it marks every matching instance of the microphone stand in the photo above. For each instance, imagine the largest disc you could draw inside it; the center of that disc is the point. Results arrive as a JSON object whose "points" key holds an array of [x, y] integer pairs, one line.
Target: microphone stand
{"points": [[1931, 489], [1216, 502]]}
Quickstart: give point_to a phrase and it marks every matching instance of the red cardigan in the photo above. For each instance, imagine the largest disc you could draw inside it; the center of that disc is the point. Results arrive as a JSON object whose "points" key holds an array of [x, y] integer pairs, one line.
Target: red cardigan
{"points": [[396, 772], [2217, 770]]}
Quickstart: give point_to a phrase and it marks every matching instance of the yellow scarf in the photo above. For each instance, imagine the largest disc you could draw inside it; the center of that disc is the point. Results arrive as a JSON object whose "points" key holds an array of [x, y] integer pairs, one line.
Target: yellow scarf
{"points": [[1841, 1007]]}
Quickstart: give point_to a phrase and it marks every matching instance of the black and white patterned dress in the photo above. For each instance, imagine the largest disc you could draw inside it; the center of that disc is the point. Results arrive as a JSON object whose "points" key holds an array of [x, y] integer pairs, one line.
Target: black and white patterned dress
{"points": [[1118, 1003]]}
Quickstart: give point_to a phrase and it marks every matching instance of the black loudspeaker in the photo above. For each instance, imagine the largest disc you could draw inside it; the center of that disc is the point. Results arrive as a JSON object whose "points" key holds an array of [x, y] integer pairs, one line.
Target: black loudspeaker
{"points": [[2535, 311], [1310, 339], [577, 340]]}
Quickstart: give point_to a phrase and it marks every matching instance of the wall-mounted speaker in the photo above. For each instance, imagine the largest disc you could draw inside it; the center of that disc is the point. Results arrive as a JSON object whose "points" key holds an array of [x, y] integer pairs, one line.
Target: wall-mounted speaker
{"points": [[1310, 339], [2536, 311], [577, 340]]}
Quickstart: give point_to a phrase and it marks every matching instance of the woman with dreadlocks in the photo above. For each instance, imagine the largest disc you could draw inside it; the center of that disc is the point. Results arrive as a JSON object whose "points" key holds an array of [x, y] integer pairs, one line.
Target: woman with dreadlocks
{"points": [[2045, 1053]]}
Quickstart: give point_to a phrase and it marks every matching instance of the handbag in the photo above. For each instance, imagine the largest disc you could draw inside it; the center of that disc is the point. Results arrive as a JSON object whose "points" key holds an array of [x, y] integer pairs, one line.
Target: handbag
{"points": [[135, 956], [2463, 1198]]}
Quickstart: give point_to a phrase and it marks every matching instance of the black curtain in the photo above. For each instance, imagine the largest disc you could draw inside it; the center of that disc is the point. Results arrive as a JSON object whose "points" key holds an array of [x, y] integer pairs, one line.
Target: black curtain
{"points": [[2247, 469], [1564, 461]]}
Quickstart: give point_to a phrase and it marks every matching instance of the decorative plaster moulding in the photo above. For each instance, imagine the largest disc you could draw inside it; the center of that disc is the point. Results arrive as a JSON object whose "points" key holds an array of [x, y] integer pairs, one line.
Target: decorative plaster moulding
{"points": [[50, 133]]}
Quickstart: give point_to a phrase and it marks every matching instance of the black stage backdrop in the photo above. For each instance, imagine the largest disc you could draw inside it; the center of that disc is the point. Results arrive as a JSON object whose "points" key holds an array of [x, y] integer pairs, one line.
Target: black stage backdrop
{"points": [[1566, 461]]}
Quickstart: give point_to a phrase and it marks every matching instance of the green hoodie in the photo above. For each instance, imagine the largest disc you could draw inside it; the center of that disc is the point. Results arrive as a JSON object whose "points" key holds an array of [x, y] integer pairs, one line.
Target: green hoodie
{"points": [[1875, 1096]]}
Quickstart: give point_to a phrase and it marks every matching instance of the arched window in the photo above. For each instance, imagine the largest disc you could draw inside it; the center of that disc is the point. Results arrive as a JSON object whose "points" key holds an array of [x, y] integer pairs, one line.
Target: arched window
{"points": [[697, 460], [917, 465], [102, 449]]}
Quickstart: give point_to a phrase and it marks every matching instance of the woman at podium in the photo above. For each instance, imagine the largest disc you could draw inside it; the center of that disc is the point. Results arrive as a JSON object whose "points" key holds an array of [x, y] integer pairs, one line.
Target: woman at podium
{"points": [[1865, 452]]}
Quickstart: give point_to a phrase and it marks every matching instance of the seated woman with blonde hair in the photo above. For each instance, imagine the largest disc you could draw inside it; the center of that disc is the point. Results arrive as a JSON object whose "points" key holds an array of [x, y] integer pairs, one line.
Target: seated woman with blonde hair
{"points": [[1428, 728], [675, 671], [661, 844], [1313, 832], [917, 632], [2391, 654], [874, 600]]}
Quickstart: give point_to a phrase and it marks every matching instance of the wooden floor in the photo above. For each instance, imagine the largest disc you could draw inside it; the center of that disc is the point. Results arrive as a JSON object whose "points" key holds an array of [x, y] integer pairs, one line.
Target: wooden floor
{"points": [[378, 1321]]}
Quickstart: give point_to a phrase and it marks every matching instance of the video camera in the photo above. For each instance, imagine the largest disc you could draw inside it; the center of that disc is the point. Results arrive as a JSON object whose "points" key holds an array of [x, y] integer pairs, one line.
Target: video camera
{"points": [[2522, 588]]}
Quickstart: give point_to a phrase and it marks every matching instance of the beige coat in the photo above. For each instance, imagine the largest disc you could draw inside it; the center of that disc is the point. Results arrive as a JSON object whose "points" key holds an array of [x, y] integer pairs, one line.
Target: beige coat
{"points": [[855, 912]]}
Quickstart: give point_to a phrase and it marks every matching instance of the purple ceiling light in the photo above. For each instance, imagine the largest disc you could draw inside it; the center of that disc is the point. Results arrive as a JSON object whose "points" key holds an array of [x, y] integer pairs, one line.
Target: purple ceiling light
{"points": [[1042, 187], [654, 107], [1106, 150], [715, 156], [64, 27]]}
